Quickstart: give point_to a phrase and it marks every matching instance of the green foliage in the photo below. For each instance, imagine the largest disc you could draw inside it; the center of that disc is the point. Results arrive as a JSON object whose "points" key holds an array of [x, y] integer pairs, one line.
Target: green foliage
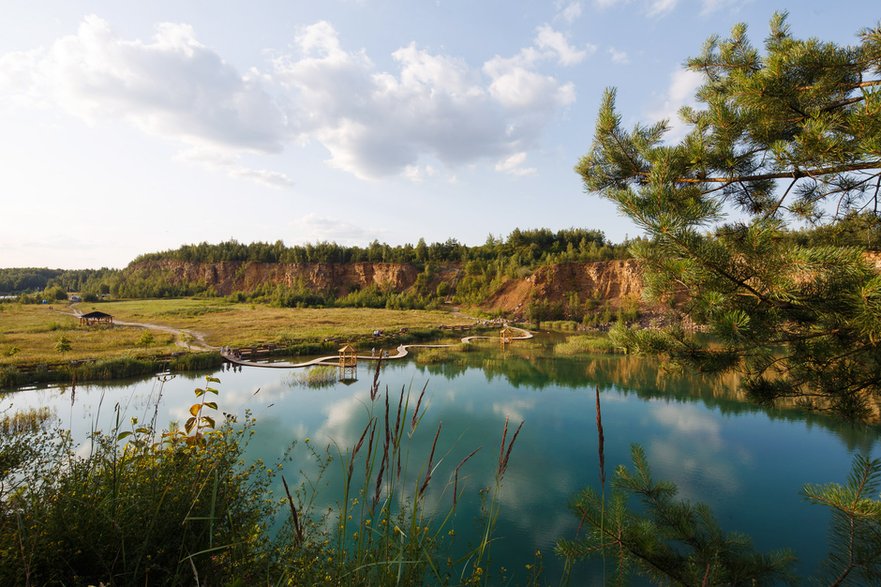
{"points": [[146, 339], [183, 508], [791, 135], [62, 345], [673, 541], [144, 512], [669, 540], [856, 524], [318, 376]]}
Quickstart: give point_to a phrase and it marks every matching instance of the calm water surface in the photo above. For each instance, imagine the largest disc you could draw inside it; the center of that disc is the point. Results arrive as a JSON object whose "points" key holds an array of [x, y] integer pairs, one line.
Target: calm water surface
{"points": [[748, 463]]}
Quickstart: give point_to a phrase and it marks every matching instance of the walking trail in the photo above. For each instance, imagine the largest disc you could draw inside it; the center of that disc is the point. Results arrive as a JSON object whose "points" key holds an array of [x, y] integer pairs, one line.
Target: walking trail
{"points": [[193, 340], [333, 360], [188, 339]]}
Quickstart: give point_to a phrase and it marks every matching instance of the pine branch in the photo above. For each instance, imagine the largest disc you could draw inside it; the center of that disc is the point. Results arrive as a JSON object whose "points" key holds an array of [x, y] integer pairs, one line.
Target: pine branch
{"points": [[795, 174]]}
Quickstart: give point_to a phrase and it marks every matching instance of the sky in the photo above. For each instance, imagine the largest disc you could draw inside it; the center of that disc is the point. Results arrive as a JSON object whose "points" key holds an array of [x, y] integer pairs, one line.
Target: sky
{"points": [[132, 127]]}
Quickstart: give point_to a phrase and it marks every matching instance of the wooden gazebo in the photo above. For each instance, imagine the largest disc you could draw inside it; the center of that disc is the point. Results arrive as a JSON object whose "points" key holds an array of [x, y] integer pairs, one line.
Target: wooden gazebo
{"points": [[506, 334], [95, 318], [348, 363]]}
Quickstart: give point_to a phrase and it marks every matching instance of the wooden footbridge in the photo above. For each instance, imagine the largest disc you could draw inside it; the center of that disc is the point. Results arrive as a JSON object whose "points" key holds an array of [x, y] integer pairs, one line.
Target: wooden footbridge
{"points": [[509, 333]]}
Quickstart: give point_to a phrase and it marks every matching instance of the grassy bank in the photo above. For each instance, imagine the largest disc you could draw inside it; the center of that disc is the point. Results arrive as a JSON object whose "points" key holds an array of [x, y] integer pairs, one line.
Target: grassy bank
{"points": [[45, 343], [46, 334], [105, 369], [231, 324]]}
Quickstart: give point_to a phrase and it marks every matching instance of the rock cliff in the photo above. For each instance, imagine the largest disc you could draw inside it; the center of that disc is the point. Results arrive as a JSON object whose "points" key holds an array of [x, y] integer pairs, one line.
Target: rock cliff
{"points": [[227, 277], [611, 281]]}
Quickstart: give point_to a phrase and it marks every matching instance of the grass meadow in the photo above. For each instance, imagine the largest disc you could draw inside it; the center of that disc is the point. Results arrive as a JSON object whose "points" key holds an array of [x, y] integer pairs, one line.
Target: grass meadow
{"points": [[37, 333]]}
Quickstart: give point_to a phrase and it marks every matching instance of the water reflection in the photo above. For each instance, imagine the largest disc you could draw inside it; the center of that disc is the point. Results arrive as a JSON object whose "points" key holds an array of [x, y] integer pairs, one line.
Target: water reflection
{"points": [[746, 462], [536, 368]]}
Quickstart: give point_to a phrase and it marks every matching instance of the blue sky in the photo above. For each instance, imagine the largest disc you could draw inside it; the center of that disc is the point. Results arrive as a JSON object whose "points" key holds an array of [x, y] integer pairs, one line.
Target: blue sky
{"points": [[130, 127]]}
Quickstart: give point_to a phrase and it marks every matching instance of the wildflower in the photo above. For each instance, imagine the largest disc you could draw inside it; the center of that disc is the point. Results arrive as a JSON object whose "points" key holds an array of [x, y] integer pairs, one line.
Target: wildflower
{"points": [[451, 533]]}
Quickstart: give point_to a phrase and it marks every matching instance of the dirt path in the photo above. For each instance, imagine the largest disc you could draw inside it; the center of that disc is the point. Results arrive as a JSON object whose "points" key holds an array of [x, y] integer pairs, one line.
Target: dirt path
{"points": [[192, 340], [188, 339]]}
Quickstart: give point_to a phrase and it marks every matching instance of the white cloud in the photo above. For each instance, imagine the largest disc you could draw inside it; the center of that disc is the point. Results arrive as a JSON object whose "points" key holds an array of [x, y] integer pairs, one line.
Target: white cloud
{"points": [[680, 92], [620, 57], [372, 122], [315, 228], [549, 39], [377, 123], [514, 165], [172, 86], [603, 4], [568, 11], [418, 174], [229, 162], [661, 7]]}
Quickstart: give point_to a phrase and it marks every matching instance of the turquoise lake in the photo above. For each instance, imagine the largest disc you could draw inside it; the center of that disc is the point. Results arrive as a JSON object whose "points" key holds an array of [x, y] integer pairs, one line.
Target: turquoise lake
{"points": [[749, 464]]}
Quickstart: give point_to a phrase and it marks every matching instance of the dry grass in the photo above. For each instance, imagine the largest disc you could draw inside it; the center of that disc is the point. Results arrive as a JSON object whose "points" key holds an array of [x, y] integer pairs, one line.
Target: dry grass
{"points": [[224, 323], [29, 334]]}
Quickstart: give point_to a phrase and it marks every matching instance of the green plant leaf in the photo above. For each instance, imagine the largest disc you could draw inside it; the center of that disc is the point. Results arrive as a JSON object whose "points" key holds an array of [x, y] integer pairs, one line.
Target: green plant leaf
{"points": [[122, 435], [199, 392], [191, 423], [212, 405], [210, 379], [208, 421]]}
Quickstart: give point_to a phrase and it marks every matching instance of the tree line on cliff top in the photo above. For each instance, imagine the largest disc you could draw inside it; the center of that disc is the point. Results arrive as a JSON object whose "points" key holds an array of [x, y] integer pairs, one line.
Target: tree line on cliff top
{"points": [[521, 249]]}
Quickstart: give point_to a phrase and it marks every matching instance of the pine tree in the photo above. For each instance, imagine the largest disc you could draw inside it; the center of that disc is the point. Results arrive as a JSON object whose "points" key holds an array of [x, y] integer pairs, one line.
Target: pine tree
{"points": [[784, 137], [677, 542], [671, 541]]}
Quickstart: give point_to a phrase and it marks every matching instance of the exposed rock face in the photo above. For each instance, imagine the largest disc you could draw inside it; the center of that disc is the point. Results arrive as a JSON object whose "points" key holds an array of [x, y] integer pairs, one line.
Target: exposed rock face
{"points": [[611, 281], [227, 277]]}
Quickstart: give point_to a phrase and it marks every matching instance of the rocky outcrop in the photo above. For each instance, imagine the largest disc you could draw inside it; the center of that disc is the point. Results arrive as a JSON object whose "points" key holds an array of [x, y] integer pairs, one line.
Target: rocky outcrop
{"points": [[227, 277], [610, 281]]}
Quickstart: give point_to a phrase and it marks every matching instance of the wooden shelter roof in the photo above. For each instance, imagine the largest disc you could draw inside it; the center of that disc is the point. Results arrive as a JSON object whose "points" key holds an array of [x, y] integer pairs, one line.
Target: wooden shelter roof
{"points": [[96, 315]]}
